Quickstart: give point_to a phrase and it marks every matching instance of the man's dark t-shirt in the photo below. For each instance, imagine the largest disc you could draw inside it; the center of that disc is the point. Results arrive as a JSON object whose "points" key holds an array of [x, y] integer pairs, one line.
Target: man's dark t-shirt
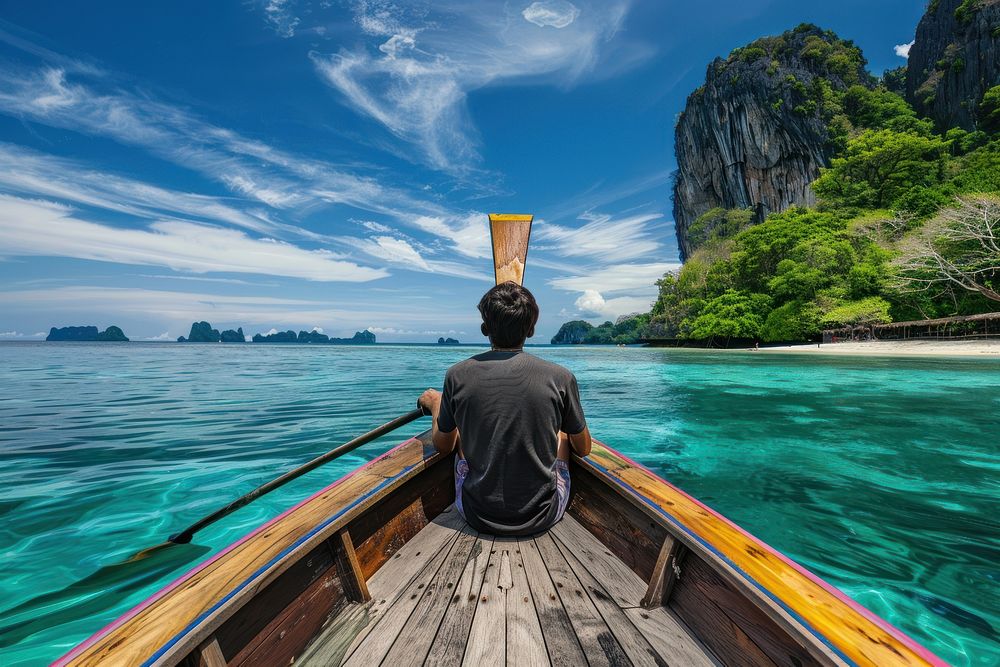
{"points": [[509, 408]]}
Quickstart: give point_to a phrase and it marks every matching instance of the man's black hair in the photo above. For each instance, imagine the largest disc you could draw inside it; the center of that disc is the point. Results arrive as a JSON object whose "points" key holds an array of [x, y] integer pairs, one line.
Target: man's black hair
{"points": [[509, 315]]}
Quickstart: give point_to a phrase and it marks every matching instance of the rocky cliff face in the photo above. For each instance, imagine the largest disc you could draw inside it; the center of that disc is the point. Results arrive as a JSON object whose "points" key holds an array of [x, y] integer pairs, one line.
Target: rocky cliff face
{"points": [[754, 136], [955, 58]]}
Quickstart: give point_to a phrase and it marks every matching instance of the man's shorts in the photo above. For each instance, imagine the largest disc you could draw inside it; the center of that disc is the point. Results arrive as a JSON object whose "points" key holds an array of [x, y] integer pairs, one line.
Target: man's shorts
{"points": [[562, 485]]}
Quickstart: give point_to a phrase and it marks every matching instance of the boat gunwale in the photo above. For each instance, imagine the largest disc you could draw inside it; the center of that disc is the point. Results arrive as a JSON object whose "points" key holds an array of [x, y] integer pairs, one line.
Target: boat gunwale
{"points": [[218, 612], [768, 599]]}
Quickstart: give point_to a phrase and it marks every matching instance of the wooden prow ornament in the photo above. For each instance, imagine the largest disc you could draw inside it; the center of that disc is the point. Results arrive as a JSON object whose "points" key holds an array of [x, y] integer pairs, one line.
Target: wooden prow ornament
{"points": [[510, 233]]}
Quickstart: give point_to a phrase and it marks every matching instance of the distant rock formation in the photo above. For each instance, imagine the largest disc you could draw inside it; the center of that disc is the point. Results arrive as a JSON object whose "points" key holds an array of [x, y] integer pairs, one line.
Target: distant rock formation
{"points": [[448, 341], [277, 337], [201, 332], [754, 137], [87, 334], [359, 338], [572, 333], [315, 337], [230, 336], [954, 60]]}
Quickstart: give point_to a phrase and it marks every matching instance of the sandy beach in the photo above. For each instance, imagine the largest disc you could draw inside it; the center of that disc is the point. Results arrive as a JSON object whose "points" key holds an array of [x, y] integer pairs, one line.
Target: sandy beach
{"points": [[894, 348]]}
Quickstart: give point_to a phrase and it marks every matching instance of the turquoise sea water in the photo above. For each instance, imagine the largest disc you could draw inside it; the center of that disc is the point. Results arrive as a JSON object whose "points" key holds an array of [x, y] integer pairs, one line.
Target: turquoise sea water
{"points": [[880, 475]]}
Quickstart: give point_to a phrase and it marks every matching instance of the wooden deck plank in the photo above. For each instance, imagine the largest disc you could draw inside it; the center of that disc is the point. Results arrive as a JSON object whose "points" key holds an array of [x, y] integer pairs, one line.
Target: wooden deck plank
{"points": [[487, 643], [618, 579], [633, 642], [557, 630], [346, 631], [372, 648], [860, 635], [343, 634], [413, 642], [670, 638], [598, 642], [525, 645], [449, 644]]}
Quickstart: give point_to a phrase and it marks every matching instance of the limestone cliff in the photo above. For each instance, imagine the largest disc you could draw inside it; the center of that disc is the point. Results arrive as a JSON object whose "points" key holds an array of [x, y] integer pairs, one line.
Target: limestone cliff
{"points": [[754, 136], [954, 60]]}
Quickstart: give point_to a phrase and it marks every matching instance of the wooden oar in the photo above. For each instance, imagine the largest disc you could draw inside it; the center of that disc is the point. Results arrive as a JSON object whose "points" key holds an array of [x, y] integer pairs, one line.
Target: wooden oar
{"points": [[510, 233], [185, 535]]}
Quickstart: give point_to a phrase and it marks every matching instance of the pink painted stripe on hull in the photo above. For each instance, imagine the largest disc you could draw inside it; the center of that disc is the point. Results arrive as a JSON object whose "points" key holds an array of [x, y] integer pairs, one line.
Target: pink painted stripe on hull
{"points": [[90, 641], [830, 588]]}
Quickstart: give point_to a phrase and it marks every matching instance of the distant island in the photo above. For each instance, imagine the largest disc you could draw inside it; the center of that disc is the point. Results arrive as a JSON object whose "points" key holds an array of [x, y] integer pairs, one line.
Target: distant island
{"points": [[202, 332], [315, 337], [88, 334], [448, 341]]}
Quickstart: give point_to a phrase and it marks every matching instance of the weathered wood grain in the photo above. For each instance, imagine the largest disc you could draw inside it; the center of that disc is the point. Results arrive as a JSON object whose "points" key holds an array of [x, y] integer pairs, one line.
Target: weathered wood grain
{"points": [[452, 636], [373, 648], [486, 645], [807, 608], [670, 637], [381, 532], [621, 583], [189, 611], [525, 645], [353, 579], [254, 621], [510, 234], [557, 629], [628, 532], [207, 655], [665, 573], [413, 642], [598, 641]]}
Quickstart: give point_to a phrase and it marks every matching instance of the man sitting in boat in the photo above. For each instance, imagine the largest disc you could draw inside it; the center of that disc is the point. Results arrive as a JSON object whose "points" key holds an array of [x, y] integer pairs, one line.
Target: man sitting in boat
{"points": [[513, 418]]}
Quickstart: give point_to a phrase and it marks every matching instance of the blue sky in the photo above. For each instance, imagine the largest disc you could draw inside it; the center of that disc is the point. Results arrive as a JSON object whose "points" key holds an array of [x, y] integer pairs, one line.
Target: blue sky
{"points": [[296, 164]]}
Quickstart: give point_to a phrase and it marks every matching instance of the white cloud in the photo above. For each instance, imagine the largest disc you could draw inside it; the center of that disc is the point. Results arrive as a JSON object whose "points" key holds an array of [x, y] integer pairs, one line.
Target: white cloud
{"points": [[396, 331], [181, 246], [554, 13], [29, 172], [903, 50], [377, 227], [317, 329], [603, 237], [416, 86], [279, 15], [163, 336], [616, 278], [11, 334], [593, 304]]}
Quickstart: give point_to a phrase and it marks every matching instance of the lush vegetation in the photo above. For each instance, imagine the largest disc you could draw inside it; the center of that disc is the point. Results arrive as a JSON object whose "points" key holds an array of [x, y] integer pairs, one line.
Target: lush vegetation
{"points": [[898, 204], [850, 260]]}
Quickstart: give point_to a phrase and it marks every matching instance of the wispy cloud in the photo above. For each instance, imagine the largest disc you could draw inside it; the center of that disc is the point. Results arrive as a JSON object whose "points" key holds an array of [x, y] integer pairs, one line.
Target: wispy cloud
{"points": [[181, 246], [554, 13], [24, 171], [279, 14], [414, 74], [616, 278], [903, 50], [602, 237], [178, 309]]}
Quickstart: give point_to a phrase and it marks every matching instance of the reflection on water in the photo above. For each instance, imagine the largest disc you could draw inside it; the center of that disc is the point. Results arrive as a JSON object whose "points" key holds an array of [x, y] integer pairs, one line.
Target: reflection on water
{"points": [[879, 475]]}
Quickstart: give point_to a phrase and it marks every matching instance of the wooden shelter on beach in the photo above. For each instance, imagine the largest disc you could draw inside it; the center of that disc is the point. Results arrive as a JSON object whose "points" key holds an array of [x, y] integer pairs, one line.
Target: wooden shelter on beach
{"points": [[983, 325]]}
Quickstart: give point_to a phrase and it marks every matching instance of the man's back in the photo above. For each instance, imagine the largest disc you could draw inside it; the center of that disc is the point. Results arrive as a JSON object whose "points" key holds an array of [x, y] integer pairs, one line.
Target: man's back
{"points": [[509, 408]]}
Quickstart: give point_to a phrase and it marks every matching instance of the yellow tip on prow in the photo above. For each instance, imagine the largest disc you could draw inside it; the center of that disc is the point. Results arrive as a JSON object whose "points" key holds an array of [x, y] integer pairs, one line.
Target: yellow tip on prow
{"points": [[511, 217]]}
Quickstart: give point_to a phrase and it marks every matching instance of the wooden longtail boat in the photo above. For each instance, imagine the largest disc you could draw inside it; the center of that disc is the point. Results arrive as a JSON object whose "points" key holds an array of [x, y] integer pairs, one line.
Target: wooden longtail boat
{"points": [[379, 568]]}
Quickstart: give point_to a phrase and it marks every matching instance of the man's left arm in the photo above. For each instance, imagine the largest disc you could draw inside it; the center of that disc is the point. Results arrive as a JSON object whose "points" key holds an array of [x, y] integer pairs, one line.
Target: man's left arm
{"points": [[444, 430]]}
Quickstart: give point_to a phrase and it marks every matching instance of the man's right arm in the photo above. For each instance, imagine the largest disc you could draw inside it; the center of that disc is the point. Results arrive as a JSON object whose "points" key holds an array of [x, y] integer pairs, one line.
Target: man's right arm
{"points": [[581, 442]]}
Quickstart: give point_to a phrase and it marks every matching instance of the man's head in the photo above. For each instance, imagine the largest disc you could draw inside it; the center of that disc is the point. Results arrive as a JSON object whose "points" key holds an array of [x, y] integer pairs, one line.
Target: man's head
{"points": [[509, 315]]}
